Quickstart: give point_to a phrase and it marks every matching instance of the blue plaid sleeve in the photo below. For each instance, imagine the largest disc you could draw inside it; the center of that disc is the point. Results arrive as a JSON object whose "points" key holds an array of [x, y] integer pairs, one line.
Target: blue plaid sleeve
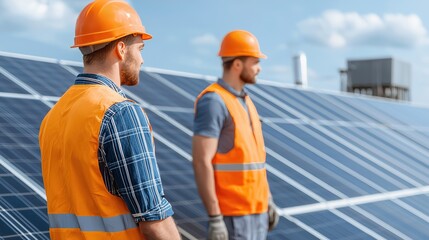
{"points": [[128, 164]]}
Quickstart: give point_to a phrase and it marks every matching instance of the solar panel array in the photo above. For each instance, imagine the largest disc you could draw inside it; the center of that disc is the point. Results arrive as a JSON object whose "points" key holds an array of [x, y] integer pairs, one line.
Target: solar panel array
{"points": [[339, 166]]}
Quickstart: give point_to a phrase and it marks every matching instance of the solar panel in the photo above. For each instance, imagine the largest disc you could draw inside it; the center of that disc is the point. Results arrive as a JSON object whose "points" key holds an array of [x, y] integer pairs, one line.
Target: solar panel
{"points": [[46, 77], [339, 166], [19, 124], [22, 210]]}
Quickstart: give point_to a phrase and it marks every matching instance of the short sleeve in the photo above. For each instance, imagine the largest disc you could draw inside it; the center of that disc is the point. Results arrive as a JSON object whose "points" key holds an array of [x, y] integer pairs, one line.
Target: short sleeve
{"points": [[210, 115]]}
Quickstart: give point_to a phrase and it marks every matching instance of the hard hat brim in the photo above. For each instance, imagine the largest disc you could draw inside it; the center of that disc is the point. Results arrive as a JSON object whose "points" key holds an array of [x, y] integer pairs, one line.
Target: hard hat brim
{"points": [[261, 55], [145, 36], [258, 55]]}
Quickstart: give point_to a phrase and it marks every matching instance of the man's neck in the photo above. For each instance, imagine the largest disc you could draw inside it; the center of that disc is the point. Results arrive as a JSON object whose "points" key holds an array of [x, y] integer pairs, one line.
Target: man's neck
{"points": [[234, 82], [104, 71]]}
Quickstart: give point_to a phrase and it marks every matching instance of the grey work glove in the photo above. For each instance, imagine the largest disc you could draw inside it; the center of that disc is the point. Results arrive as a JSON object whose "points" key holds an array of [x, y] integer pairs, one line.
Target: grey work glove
{"points": [[273, 215], [217, 228]]}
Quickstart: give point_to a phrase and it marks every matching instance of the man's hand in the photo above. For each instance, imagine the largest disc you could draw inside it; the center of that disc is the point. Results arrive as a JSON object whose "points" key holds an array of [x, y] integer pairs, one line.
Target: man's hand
{"points": [[273, 215], [217, 228]]}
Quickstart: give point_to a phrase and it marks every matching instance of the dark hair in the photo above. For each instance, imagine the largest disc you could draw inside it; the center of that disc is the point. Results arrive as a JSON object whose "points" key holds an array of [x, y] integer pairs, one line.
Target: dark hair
{"points": [[227, 61], [101, 54]]}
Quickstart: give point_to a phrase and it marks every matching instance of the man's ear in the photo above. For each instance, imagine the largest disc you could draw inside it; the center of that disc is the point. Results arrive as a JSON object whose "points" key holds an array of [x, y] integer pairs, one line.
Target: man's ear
{"points": [[237, 64], [120, 49]]}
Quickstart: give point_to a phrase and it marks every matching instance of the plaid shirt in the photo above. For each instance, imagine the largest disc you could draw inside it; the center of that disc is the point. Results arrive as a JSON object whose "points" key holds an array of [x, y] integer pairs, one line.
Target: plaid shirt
{"points": [[126, 157]]}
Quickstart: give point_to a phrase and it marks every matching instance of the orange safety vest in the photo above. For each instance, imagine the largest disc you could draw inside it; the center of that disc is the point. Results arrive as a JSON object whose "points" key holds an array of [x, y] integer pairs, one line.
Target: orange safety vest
{"points": [[79, 205], [240, 174]]}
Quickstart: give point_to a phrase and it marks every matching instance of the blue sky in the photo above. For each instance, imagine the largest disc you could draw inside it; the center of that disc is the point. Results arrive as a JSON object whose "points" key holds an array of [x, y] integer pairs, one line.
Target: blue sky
{"points": [[187, 34]]}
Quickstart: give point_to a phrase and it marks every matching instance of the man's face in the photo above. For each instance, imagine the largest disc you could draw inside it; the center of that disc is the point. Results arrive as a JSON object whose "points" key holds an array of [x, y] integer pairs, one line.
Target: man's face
{"points": [[251, 68], [130, 67]]}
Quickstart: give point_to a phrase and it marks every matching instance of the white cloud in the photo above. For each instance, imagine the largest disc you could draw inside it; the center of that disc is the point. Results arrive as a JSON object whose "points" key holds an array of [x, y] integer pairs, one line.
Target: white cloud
{"points": [[36, 17], [207, 39], [205, 45], [338, 29]]}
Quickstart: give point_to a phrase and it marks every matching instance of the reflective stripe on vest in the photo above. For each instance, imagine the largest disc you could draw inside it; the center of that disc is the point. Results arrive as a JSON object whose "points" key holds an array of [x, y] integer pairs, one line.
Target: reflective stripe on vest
{"points": [[92, 223], [238, 166]]}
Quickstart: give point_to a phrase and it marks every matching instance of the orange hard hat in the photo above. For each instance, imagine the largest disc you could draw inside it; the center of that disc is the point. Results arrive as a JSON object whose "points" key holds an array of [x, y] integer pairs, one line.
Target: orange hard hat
{"points": [[103, 21], [240, 43]]}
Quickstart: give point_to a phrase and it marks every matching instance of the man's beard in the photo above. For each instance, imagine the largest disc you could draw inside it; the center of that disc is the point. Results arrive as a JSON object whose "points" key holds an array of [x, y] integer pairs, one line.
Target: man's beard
{"points": [[129, 77], [246, 77]]}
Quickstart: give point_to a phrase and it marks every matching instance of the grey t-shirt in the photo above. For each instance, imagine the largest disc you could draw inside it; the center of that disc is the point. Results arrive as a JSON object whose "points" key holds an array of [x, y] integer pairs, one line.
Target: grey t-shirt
{"points": [[212, 118]]}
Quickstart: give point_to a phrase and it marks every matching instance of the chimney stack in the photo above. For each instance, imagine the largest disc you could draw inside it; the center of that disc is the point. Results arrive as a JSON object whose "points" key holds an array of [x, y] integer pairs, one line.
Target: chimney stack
{"points": [[300, 70]]}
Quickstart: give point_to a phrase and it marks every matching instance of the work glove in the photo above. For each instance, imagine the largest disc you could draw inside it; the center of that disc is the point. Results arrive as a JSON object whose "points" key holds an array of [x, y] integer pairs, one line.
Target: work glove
{"points": [[217, 228], [273, 215]]}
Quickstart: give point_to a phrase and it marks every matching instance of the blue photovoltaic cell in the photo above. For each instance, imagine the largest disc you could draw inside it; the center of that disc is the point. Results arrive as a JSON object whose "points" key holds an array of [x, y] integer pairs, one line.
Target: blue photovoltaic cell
{"points": [[47, 78], [414, 116], [399, 218], [19, 130], [356, 113], [419, 202], [301, 106], [22, 212], [380, 176], [363, 107], [305, 105], [321, 147], [185, 118], [400, 154], [289, 196], [371, 224], [332, 226], [336, 112], [190, 85], [155, 93], [418, 137], [363, 161], [320, 167], [407, 161], [7, 85], [289, 230], [169, 131], [265, 107]]}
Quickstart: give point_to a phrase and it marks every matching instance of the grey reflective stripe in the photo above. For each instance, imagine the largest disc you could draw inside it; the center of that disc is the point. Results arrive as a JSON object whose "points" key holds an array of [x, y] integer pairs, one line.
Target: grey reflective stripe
{"points": [[92, 223], [238, 166]]}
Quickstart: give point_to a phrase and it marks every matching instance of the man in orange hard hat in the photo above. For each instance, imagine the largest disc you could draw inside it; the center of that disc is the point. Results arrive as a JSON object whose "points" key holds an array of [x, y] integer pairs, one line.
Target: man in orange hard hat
{"points": [[98, 162], [228, 147]]}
